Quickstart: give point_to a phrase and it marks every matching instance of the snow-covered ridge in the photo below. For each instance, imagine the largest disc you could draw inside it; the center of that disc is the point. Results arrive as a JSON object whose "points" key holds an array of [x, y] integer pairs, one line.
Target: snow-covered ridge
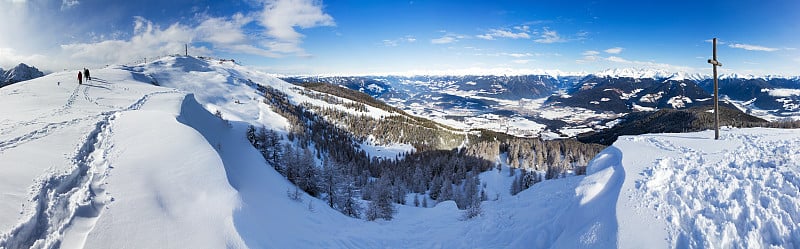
{"points": [[21, 72], [638, 73]]}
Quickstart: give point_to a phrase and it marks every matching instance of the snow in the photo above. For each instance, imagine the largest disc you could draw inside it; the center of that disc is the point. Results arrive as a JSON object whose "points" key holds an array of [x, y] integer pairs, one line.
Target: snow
{"points": [[679, 101], [639, 108], [738, 192], [781, 92], [388, 151], [651, 97], [636, 73], [121, 163], [574, 131], [375, 88]]}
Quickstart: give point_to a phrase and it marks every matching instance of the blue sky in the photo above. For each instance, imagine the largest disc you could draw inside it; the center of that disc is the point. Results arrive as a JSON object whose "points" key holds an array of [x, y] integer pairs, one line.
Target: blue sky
{"points": [[370, 37]]}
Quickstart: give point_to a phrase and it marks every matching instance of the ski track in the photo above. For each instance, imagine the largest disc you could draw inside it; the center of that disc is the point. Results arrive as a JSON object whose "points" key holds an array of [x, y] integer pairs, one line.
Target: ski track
{"points": [[58, 199], [750, 194]]}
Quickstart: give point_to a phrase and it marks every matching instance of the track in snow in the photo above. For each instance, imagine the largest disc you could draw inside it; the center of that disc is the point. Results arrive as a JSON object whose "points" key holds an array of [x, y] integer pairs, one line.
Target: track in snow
{"points": [[52, 127], [59, 199], [747, 199]]}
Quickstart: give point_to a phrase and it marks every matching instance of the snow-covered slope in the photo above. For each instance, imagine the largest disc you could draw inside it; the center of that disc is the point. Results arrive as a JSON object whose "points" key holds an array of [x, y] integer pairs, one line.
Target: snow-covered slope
{"points": [[107, 164], [121, 163], [690, 191]]}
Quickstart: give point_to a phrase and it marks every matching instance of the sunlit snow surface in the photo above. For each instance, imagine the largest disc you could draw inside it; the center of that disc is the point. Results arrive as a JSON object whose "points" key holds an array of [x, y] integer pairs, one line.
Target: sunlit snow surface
{"points": [[738, 192], [121, 163]]}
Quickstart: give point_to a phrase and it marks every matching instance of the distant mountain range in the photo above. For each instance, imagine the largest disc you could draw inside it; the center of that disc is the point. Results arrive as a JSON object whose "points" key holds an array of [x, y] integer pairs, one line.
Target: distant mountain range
{"points": [[571, 103], [21, 72]]}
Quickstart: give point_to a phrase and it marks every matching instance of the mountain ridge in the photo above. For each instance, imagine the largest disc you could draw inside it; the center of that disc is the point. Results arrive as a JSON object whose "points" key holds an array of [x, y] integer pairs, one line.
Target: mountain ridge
{"points": [[19, 73]]}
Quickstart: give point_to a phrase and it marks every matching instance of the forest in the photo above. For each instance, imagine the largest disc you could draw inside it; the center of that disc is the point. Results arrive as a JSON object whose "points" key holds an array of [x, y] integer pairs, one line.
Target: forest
{"points": [[321, 155]]}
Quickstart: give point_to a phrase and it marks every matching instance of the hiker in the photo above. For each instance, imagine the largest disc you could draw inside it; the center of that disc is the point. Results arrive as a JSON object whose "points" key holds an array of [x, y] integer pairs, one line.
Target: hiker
{"points": [[80, 78], [86, 74]]}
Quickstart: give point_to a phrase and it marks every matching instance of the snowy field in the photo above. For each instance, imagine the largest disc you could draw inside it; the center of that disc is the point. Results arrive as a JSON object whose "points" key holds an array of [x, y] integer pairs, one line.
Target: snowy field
{"points": [[121, 163]]}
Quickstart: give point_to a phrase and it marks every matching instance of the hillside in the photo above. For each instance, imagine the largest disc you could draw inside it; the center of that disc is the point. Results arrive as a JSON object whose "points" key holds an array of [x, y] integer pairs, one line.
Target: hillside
{"points": [[672, 121], [133, 155], [554, 105], [625, 94]]}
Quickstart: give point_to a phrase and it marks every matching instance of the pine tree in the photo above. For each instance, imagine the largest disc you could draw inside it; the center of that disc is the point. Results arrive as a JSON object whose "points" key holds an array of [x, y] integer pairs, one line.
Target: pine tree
{"points": [[330, 181], [381, 205], [473, 210], [436, 188], [447, 191], [347, 203], [515, 186]]}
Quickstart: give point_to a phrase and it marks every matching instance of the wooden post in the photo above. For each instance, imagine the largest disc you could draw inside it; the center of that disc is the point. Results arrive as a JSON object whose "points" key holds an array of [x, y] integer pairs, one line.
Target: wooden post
{"points": [[186, 49], [715, 63]]}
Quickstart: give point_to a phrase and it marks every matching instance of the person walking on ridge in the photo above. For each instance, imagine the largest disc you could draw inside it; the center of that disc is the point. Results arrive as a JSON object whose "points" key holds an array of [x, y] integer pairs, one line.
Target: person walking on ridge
{"points": [[86, 74], [80, 78]]}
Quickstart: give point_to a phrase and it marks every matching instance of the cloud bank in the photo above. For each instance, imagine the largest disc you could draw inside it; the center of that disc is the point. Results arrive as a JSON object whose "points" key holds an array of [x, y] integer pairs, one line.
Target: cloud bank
{"points": [[272, 29]]}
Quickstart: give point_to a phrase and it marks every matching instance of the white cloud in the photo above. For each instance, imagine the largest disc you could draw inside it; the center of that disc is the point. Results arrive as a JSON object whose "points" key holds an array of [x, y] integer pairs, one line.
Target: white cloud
{"points": [[590, 53], [274, 30], [280, 17], [752, 47], [485, 37], [503, 33], [67, 4], [549, 36], [398, 41], [225, 34], [223, 30], [617, 59], [390, 43], [650, 64], [447, 38], [519, 55], [444, 40], [589, 56], [521, 61], [148, 40], [10, 57], [718, 41], [614, 50]]}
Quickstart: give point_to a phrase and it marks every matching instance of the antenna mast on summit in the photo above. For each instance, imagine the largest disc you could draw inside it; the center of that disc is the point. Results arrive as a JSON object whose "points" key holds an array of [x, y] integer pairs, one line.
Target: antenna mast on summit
{"points": [[713, 61]]}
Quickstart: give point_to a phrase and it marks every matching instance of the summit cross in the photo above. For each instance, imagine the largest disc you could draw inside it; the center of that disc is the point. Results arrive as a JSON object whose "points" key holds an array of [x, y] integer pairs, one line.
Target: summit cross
{"points": [[713, 61]]}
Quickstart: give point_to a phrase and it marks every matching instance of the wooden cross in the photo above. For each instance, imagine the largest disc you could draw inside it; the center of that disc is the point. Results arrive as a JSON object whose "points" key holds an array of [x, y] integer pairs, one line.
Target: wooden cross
{"points": [[715, 63]]}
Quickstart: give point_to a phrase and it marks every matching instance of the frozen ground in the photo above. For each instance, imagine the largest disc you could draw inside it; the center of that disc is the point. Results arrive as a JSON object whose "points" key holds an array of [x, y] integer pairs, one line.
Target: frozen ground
{"points": [[121, 163]]}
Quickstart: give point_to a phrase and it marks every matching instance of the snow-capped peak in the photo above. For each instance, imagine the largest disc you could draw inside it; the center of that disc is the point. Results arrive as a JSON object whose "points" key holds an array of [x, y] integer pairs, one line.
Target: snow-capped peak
{"points": [[635, 73], [735, 76], [21, 72], [688, 76]]}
